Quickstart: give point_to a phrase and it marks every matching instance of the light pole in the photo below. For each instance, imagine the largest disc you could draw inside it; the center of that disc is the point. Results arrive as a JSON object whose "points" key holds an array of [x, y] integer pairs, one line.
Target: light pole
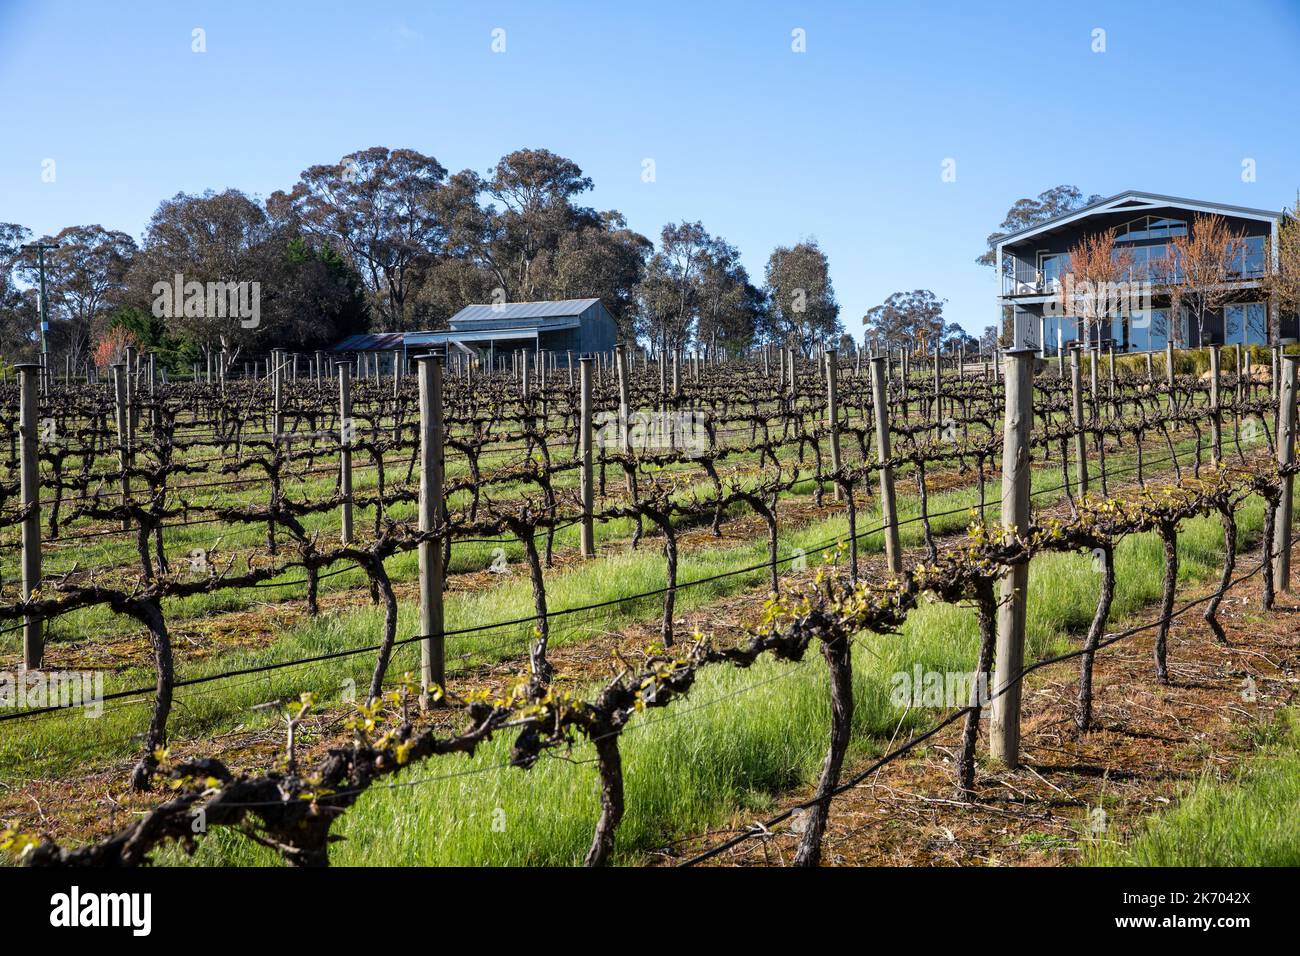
{"points": [[40, 248]]}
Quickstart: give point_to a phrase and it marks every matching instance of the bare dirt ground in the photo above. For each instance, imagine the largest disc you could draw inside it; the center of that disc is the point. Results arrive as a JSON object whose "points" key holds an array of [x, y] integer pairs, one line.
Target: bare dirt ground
{"points": [[1150, 743]]}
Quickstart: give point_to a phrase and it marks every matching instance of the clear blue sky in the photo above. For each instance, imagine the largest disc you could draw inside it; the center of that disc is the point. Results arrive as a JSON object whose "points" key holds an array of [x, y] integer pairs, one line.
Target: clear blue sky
{"points": [[844, 142]]}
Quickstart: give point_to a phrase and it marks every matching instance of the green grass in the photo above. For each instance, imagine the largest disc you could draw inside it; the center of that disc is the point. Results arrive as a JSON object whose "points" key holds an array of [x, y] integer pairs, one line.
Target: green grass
{"points": [[1248, 820], [740, 738]]}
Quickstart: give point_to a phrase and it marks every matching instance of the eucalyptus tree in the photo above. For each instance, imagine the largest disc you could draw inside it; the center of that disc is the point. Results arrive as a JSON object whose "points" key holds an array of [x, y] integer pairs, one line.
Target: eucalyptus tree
{"points": [[1027, 212], [802, 310], [381, 210]]}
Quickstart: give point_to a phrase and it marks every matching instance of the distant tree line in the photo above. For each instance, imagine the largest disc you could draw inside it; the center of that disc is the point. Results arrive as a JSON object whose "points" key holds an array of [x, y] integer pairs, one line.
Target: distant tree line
{"points": [[388, 240]]}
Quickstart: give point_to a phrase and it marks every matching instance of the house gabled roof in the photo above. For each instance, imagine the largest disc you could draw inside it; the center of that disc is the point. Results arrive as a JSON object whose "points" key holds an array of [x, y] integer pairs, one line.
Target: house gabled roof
{"points": [[515, 311], [1134, 201]]}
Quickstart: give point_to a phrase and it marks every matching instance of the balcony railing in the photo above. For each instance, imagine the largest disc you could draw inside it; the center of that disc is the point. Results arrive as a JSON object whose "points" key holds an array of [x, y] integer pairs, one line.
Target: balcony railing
{"points": [[1025, 281]]}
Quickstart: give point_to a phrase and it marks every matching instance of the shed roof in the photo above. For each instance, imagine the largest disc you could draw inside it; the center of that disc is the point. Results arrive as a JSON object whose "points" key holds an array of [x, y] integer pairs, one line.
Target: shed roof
{"points": [[514, 311], [371, 342]]}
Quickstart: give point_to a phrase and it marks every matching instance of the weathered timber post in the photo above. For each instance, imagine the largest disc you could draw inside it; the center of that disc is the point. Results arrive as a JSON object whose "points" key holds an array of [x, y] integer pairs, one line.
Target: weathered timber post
{"points": [[30, 489], [347, 432], [833, 412], [1286, 441], [936, 408], [277, 385], [123, 416], [1216, 419], [1004, 736], [1076, 421], [432, 649], [588, 536], [888, 506]]}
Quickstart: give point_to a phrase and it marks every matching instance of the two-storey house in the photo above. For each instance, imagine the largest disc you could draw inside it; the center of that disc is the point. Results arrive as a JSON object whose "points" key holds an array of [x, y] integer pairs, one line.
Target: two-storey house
{"points": [[1032, 263]]}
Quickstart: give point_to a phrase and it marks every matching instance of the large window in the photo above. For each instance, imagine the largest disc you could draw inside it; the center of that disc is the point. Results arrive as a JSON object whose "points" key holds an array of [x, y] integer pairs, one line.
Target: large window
{"points": [[1150, 331], [1150, 227], [1058, 330], [1053, 265], [1249, 261], [1149, 262], [1245, 324]]}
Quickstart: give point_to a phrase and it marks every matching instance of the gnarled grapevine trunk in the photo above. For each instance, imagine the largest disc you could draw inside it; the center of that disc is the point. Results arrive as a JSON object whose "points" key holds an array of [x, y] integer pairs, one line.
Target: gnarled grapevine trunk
{"points": [[840, 663], [149, 613], [1169, 540], [1106, 597]]}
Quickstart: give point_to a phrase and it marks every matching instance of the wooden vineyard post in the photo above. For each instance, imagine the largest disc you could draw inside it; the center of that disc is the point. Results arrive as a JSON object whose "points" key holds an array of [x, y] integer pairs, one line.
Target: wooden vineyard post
{"points": [[625, 421], [588, 537], [1286, 441], [1216, 423], [432, 649], [1076, 420], [833, 412], [346, 434], [277, 391], [936, 408], [153, 393], [30, 489], [1004, 736], [133, 411], [624, 403], [397, 376], [1169, 369], [1277, 370], [1093, 363], [888, 506], [123, 434]]}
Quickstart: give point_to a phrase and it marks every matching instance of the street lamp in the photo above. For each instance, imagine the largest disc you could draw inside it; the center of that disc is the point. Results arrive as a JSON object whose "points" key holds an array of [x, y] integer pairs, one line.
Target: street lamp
{"points": [[40, 248]]}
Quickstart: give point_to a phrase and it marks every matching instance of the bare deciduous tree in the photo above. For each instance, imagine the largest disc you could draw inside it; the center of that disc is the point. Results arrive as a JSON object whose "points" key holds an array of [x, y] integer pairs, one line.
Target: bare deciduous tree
{"points": [[1089, 284], [1200, 268]]}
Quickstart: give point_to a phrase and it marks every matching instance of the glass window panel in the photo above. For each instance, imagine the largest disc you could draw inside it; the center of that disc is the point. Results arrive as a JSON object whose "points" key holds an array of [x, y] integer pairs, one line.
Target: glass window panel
{"points": [[1253, 256], [1256, 324], [1233, 317], [1158, 330]]}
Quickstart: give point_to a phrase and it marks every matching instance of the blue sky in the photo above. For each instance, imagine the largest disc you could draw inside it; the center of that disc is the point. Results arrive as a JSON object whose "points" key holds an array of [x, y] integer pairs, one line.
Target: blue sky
{"points": [[844, 142]]}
